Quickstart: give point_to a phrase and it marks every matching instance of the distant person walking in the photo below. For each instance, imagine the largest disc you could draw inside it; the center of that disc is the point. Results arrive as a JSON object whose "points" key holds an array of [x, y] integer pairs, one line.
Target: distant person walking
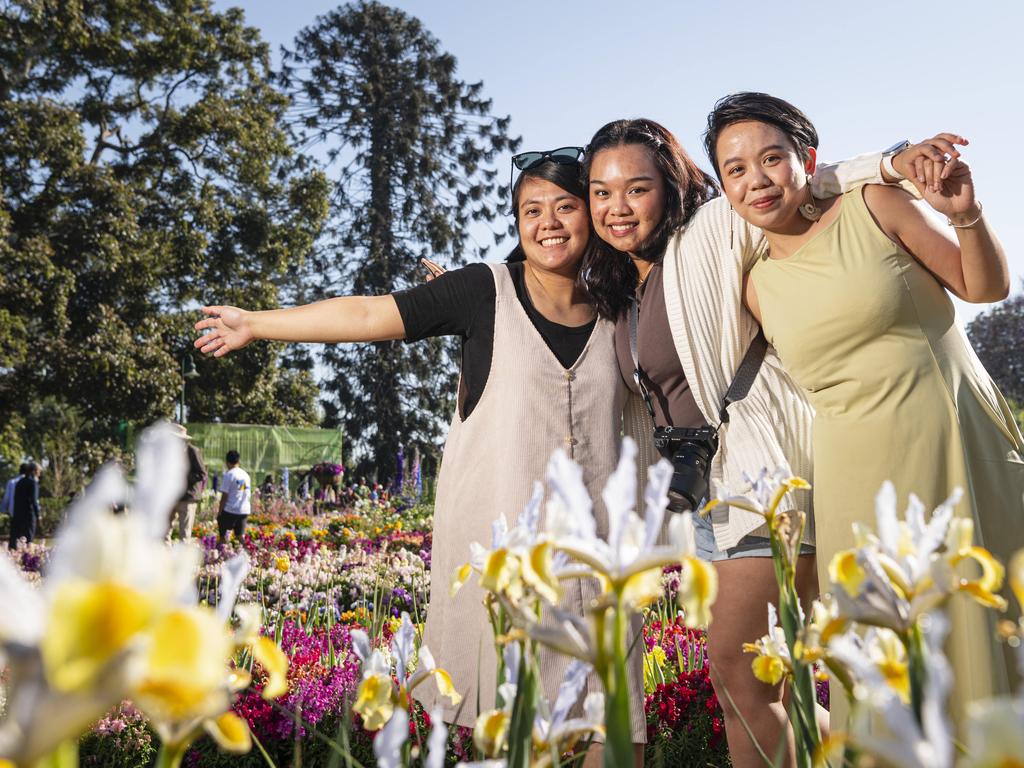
{"points": [[8, 503], [235, 499], [25, 516], [195, 482]]}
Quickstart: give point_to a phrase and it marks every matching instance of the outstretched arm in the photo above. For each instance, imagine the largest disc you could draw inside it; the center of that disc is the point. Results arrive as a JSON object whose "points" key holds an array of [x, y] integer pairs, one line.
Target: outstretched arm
{"points": [[346, 318]]}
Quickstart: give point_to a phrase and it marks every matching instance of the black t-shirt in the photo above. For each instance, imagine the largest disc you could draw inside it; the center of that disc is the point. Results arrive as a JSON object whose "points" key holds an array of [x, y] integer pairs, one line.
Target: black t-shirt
{"points": [[461, 303]]}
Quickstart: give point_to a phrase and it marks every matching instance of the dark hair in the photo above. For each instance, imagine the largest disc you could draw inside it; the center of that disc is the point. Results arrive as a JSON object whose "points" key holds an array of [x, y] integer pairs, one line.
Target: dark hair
{"points": [[232, 457], [760, 108], [31, 468], [23, 468], [568, 176], [610, 275]]}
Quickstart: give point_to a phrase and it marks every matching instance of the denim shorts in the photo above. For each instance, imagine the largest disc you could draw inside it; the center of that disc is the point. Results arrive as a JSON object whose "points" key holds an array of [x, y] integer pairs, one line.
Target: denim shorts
{"points": [[748, 546]]}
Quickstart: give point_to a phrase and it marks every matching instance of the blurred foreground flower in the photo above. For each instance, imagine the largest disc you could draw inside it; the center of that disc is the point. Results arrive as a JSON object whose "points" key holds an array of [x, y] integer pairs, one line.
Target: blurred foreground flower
{"points": [[117, 617], [74, 645], [521, 573], [908, 568], [884, 724]]}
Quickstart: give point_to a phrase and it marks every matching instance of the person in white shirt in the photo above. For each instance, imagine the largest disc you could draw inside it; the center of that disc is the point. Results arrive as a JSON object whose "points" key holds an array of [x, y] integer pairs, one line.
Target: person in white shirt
{"points": [[236, 492], [7, 507]]}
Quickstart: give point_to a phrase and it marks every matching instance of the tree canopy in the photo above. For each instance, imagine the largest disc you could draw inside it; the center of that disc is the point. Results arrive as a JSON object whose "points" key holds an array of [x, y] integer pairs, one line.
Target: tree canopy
{"points": [[998, 337], [145, 169]]}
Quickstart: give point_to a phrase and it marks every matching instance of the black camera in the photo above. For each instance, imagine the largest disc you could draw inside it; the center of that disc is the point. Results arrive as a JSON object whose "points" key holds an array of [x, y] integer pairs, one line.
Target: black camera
{"points": [[690, 451]]}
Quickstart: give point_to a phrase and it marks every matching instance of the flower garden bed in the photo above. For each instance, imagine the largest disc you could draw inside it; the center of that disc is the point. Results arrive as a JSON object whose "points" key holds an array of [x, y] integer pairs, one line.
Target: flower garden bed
{"points": [[319, 577]]}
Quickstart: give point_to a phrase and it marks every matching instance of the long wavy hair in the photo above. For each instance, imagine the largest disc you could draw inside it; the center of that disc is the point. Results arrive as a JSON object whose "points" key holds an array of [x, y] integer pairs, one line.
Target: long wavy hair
{"points": [[567, 176], [608, 273]]}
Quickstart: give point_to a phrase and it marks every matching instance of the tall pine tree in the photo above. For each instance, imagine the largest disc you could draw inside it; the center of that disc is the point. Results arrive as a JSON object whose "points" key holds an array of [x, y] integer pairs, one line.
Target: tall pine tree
{"points": [[409, 148]]}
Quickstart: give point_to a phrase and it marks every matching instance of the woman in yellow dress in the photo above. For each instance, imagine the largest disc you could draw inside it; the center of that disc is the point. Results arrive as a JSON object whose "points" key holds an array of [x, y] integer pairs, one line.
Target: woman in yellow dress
{"points": [[853, 293]]}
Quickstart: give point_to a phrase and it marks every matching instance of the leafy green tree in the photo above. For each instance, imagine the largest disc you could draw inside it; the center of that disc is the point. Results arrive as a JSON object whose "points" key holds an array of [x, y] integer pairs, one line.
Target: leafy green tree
{"points": [[998, 338], [144, 168], [410, 150]]}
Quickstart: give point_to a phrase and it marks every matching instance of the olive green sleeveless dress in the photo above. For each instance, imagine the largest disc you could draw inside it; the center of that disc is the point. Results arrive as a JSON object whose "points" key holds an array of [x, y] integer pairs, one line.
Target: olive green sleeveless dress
{"points": [[899, 394]]}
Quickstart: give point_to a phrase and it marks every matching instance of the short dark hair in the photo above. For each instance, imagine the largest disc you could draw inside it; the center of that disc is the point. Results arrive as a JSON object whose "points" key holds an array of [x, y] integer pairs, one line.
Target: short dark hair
{"points": [[568, 176], [233, 457], [760, 108], [610, 276], [31, 468], [23, 468]]}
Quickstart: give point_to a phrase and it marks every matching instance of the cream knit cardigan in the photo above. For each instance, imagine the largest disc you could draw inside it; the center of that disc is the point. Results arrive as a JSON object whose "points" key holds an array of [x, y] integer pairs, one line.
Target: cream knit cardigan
{"points": [[703, 276]]}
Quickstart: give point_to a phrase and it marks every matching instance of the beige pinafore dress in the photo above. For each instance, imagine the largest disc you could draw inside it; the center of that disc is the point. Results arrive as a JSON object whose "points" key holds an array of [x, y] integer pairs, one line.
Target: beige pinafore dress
{"points": [[899, 394], [530, 406]]}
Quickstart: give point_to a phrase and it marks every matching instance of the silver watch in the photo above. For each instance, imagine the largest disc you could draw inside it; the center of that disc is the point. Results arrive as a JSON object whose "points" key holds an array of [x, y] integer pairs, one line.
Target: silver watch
{"points": [[889, 154]]}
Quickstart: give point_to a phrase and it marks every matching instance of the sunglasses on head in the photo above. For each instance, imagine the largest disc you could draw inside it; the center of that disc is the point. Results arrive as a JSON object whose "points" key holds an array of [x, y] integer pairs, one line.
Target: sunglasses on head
{"points": [[524, 161]]}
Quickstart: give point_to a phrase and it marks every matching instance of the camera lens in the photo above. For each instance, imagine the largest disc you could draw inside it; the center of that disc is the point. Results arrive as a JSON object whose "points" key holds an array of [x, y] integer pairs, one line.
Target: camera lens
{"points": [[689, 467]]}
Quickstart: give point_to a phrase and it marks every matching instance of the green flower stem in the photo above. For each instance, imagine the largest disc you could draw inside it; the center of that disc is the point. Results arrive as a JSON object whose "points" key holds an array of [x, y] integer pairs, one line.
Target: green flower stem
{"points": [[64, 756], [524, 709], [914, 643], [618, 748], [802, 690], [170, 756]]}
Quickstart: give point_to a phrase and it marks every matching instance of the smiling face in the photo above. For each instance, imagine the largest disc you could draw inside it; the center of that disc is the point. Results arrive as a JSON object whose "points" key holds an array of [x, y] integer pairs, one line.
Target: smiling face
{"points": [[627, 196], [553, 226], [763, 175]]}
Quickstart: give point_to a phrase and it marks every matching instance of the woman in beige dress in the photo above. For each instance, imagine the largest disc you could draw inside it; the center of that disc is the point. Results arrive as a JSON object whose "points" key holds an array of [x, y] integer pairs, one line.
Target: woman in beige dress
{"points": [[538, 373], [852, 291]]}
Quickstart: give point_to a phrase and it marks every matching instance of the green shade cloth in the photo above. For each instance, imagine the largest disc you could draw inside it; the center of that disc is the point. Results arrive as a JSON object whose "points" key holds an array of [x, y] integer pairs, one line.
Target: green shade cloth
{"points": [[266, 450]]}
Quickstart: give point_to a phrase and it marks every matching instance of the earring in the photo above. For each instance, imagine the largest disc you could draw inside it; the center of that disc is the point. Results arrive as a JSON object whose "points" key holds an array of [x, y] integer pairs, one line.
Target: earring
{"points": [[810, 210]]}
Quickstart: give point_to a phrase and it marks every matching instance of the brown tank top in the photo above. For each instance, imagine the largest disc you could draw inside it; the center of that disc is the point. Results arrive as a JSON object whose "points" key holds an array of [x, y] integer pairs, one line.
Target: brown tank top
{"points": [[671, 397]]}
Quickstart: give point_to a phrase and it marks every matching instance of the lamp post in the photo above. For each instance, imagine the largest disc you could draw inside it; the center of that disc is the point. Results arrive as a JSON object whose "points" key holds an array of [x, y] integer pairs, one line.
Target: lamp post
{"points": [[188, 371]]}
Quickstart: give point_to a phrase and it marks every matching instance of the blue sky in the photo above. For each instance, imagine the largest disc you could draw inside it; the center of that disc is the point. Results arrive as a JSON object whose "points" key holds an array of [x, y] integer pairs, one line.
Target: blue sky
{"points": [[868, 73]]}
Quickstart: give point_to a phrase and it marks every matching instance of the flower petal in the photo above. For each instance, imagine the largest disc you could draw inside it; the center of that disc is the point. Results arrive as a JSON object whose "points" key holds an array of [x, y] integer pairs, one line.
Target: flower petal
{"points": [[230, 732], [275, 662]]}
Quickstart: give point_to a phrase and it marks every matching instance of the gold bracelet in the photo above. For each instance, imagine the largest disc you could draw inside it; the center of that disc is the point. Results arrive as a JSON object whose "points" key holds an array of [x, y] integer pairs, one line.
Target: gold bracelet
{"points": [[965, 226]]}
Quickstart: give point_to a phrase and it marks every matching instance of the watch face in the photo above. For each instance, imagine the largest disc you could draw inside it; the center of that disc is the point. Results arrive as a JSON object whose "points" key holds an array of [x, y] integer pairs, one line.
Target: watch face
{"points": [[899, 146]]}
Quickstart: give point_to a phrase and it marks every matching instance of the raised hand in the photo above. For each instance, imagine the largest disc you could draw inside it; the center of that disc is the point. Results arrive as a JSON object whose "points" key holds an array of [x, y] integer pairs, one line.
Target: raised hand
{"points": [[433, 269], [229, 330], [928, 163], [955, 196]]}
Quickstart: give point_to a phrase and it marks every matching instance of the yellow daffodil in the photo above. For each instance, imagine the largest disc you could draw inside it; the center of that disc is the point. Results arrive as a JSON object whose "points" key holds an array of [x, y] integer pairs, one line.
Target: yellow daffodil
{"points": [[959, 549], [185, 677], [491, 731], [375, 699], [766, 493], [263, 650], [909, 567], [883, 725], [823, 624], [73, 646], [773, 661], [887, 652], [90, 624], [844, 571], [629, 564], [557, 733], [378, 696]]}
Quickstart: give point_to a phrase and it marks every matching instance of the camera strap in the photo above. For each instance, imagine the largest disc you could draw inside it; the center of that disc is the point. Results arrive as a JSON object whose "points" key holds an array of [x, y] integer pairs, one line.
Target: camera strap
{"points": [[742, 381]]}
